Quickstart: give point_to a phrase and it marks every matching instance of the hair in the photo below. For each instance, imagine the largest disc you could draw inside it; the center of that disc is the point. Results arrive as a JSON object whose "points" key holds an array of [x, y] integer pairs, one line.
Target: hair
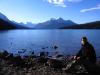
{"points": [[85, 39]]}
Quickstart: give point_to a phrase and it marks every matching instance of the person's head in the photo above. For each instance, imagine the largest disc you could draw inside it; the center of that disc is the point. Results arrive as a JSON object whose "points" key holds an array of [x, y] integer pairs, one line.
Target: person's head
{"points": [[84, 40]]}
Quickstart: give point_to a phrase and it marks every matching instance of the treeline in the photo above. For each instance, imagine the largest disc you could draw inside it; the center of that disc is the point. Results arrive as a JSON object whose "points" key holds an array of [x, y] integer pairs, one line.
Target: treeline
{"points": [[92, 25]]}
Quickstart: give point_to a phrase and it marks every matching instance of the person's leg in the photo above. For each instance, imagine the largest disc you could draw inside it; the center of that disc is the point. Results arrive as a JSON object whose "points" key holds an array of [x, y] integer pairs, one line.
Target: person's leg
{"points": [[70, 67], [89, 66], [74, 65]]}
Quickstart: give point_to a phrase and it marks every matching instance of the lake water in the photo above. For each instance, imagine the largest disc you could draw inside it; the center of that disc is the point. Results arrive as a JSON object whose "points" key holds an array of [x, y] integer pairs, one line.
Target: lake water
{"points": [[68, 41]]}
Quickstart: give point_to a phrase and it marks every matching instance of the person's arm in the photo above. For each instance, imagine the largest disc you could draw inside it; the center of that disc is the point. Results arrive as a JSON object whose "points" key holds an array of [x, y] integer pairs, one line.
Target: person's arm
{"points": [[78, 55]]}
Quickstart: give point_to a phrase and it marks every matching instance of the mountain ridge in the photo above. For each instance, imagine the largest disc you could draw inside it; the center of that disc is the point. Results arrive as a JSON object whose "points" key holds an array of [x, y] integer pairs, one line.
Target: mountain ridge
{"points": [[53, 23], [5, 23], [90, 25]]}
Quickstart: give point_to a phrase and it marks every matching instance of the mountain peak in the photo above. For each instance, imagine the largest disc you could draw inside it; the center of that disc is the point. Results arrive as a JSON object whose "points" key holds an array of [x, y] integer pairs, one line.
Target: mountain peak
{"points": [[52, 19], [55, 23], [60, 18], [2, 16]]}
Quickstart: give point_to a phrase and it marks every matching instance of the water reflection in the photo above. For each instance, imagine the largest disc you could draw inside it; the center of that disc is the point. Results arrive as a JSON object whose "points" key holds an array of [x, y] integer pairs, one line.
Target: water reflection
{"points": [[67, 41]]}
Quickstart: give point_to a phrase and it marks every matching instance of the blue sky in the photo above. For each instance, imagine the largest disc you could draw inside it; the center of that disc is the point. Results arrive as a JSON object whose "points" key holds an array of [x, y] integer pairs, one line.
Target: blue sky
{"points": [[36, 11]]}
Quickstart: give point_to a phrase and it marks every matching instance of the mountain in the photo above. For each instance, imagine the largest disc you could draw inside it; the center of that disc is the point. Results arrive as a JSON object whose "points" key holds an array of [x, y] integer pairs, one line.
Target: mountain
{"points": [[3, 17], [5, 23], [28, 24], [21, 25], [54, 24], [91, 25]]}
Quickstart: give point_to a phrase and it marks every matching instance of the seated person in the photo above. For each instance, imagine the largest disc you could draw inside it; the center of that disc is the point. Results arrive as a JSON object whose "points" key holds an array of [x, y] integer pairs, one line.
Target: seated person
{"points": [[86, 52], [86, 56]]}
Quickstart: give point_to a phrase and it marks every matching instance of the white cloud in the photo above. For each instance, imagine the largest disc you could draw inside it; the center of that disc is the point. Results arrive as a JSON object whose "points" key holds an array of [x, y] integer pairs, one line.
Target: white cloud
{"points": [[61, 2], [91, 9], [57, 2], [74, 0]]}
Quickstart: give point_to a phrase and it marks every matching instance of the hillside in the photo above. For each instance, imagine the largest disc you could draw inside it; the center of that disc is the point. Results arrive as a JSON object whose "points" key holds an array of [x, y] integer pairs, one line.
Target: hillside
{"points": [[6, 25], [54, 24], [91, 25]]}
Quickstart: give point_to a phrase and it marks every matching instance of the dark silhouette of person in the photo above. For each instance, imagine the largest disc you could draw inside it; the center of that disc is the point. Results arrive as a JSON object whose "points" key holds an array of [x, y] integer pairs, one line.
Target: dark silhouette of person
{"points": [[87, 51], [86, 56]]}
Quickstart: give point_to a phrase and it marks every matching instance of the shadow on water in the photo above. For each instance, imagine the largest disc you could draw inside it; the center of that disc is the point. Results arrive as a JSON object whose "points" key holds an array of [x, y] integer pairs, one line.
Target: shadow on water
{"points": [[3, 31]]}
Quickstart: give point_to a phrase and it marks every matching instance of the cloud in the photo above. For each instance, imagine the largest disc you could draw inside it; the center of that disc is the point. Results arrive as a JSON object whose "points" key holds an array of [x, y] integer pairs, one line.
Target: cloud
{"points": [[91, 9], [61, 2], [74, 0], [57, 2]]}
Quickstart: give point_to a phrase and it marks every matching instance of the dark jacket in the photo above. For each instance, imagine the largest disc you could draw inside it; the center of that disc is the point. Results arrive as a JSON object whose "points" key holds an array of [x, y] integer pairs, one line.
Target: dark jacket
{"points": [[87, 52]]}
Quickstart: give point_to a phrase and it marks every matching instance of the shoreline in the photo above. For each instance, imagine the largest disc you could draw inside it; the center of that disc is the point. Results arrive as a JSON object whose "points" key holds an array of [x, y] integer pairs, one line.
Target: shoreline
{"points": [[33, 65]]}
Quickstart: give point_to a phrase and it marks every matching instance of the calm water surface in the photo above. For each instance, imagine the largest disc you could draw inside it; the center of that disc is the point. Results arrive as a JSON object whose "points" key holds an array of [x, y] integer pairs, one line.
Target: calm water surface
{"points": [[68, 41]]}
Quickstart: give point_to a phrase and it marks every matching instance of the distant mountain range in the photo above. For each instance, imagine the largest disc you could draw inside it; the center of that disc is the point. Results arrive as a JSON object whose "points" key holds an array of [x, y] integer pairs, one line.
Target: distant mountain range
{"points": [[59, 23], [5, 23], [54, 24], [91, 25]]}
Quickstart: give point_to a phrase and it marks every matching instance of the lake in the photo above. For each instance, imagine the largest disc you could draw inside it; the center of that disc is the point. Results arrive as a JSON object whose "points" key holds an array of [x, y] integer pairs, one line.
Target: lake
{"points": [[67, 41]]}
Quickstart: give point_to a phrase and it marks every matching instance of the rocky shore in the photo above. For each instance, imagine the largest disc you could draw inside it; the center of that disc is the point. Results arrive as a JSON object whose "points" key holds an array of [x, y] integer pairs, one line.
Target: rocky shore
{"points": [[34, 65]]}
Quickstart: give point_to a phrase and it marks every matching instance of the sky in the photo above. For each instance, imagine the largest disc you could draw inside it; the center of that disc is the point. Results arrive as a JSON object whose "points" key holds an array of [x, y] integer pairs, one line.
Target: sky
{"points": [[37, 11]]}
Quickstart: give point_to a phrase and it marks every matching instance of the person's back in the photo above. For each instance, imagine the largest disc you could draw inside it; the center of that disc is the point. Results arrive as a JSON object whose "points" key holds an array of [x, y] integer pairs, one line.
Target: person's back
{"points": [[91, 55], [87, 51], [86, 58]]}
